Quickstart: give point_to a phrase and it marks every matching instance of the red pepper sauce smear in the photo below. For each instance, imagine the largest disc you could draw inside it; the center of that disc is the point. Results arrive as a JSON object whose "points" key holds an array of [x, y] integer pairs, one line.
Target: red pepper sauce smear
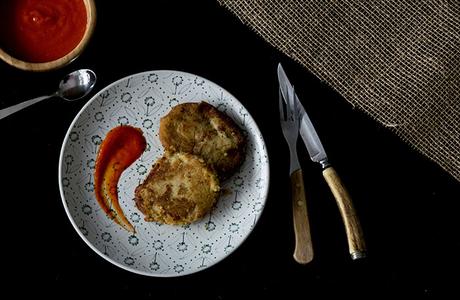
{"points": [[41, 30], [121, 147]]}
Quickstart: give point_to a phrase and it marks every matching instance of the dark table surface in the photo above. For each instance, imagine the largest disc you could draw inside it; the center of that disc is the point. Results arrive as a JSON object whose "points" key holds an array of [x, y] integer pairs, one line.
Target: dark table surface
{"points": [[408, 205]]}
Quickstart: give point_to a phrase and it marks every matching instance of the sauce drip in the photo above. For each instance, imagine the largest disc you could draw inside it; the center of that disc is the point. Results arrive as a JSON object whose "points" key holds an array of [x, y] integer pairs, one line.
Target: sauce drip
{"points": [[120, 148], [41, 30]]}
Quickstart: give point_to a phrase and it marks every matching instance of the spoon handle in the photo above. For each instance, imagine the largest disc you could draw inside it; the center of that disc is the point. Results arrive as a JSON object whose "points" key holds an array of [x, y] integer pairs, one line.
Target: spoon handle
{"points": [[14, 108]]}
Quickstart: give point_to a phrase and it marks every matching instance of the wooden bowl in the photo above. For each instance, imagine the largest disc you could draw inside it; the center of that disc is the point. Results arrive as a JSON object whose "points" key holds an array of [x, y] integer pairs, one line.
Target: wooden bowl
{"points": [[64, 60]]}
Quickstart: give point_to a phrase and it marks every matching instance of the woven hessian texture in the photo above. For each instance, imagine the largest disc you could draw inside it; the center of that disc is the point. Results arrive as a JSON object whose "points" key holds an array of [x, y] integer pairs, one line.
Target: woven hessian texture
{"points": [[399, 61]]}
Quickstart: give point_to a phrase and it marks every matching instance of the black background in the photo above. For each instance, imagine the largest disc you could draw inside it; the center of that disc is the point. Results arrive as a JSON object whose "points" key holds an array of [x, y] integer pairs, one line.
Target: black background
{"points": [[407, 204]]}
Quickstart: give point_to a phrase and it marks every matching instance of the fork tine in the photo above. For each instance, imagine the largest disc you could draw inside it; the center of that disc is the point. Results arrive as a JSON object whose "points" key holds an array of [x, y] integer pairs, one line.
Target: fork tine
{"points": [[281, 107], [291, 104], [294, 105]]}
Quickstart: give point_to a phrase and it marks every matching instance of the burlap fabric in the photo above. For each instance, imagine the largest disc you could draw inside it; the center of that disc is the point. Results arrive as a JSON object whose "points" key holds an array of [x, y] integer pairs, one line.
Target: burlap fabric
{"points": [[399, 61]]}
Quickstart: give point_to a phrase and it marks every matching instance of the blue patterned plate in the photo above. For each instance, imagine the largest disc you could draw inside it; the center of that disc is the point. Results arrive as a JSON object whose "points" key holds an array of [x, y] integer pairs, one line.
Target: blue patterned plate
{"points": [[141, 100]]}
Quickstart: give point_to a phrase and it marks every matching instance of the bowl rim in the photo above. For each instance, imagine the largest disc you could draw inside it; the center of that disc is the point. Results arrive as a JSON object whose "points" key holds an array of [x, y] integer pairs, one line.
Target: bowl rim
{"points": [[62, 61]]}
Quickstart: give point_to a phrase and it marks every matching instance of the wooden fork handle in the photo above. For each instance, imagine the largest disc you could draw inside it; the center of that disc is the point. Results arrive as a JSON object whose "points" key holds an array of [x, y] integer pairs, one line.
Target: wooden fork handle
{"points": [[356, 244], [303, 252]]}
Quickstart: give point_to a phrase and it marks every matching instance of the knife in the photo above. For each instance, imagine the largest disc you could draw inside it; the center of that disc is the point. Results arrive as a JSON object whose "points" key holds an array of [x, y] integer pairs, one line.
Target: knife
{"points": [[355, 238]]}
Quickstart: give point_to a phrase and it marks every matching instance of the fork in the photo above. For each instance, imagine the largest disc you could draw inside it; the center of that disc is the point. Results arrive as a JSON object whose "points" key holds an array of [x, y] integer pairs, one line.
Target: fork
{"points": [[290, 119]]}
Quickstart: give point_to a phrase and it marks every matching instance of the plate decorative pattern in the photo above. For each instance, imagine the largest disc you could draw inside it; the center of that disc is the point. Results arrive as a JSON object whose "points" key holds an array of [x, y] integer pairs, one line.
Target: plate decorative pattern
{"points": [[140, 100]]}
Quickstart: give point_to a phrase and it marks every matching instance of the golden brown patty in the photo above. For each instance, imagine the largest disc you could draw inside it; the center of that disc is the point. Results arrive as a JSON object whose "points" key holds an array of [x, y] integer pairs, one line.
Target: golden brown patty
{"points": [[180, 189], [201, 129]]}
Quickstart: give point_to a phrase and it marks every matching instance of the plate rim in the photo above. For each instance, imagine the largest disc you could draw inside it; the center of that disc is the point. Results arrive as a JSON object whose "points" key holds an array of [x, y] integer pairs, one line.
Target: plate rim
{"points": [[258, 134]]}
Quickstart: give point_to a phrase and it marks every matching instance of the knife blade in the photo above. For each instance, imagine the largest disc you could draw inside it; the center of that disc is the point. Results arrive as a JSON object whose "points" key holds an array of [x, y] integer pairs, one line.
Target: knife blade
{"points": [[355, 238]]}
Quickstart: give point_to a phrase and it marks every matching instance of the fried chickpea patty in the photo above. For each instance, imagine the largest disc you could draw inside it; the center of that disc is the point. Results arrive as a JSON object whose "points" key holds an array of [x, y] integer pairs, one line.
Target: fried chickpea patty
{"points": [[201, 129], [180, 189]]}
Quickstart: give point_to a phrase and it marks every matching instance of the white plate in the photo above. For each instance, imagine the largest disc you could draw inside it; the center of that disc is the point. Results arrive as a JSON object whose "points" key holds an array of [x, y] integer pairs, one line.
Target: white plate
{"points": [[141, 100]]}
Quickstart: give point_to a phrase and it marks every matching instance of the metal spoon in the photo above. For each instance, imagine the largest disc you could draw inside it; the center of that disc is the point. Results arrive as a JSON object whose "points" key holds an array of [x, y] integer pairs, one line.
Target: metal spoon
{"points": [[72, 87]]}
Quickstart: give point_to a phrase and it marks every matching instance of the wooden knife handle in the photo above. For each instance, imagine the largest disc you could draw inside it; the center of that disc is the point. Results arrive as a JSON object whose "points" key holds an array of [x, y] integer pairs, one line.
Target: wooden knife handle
{"points": [[356, 244], [303, 252]]}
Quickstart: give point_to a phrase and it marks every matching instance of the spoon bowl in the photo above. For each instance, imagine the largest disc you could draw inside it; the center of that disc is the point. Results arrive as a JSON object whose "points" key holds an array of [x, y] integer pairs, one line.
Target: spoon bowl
{"points": [[76, 85], [73, 86]]}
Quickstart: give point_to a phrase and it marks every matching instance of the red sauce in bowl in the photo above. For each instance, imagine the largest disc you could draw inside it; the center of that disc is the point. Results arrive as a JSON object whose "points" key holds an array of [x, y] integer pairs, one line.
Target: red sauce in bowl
{"points": [[41, 30]]}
